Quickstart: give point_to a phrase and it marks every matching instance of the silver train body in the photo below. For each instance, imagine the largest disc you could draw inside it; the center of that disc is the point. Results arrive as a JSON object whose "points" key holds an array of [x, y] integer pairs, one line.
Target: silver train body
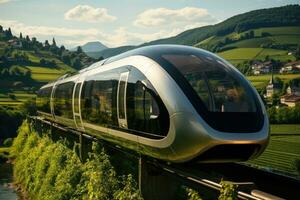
{"points": [[169, 102]]}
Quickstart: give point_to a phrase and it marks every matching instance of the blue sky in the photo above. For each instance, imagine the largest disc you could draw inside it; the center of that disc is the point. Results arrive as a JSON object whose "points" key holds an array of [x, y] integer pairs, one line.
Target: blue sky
{"points": [[116, 23]]}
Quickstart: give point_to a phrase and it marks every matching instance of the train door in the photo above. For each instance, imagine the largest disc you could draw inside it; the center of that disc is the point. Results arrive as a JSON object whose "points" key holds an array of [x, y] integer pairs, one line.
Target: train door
{"points": [[76, 105], [121, 100]]}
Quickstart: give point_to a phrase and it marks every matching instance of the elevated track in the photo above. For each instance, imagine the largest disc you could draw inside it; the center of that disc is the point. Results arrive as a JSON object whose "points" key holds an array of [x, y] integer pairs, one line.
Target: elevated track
{"points": [[252, 183]]}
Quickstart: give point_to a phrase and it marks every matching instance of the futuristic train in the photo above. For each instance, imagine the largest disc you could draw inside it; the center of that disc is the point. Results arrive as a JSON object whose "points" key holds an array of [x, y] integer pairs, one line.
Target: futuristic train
{"points": [[170, 102]]}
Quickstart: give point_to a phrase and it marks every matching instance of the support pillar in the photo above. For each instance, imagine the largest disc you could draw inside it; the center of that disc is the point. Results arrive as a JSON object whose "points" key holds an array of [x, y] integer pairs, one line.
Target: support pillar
{"points": [[155, 184]]}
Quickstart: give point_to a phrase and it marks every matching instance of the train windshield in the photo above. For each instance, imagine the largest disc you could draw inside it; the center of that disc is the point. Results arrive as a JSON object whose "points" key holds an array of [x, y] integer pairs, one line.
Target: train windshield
{"points": [[218, 86]]}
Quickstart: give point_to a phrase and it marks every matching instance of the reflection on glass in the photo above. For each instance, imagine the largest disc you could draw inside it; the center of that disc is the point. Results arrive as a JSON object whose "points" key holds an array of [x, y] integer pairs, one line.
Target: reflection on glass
{"points": [[76, 100], [43, 100], [63, 100], [144, 113], [121, 99], [144, 109], [215, 83]]}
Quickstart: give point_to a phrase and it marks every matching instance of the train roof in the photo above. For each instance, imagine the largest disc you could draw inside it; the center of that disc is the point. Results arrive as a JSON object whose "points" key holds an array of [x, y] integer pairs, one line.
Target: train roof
{"points": [[154, 51]]}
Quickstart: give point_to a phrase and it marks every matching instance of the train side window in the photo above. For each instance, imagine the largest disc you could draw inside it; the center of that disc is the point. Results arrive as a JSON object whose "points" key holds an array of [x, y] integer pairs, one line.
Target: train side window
{"points": [[145, 110], [76, 96], [43, 100], [86, 99], [63, 100], [98, 100]]}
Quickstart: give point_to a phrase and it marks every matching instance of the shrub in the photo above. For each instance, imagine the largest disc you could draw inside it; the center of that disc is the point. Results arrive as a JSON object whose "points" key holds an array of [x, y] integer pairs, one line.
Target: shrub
{"points": [[192, 194], [8, 142], [49, 170], [228, 191]]}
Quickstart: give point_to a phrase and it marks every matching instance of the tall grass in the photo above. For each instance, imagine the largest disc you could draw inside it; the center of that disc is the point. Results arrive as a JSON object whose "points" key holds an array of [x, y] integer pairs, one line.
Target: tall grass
{"points": [[49, 170]]}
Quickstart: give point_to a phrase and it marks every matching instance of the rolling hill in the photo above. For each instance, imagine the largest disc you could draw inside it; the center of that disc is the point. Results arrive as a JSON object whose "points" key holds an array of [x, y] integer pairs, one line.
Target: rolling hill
{"points": [[92, 47], [109, 52], [26, 64], [255, 35], [274, 29]]}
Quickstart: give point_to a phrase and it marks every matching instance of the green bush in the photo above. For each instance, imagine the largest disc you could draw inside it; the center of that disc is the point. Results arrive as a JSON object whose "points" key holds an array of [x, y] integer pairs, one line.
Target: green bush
{"points": [[49, 170], [10, 120], [8, 142], [192, 194], [228, 191]]}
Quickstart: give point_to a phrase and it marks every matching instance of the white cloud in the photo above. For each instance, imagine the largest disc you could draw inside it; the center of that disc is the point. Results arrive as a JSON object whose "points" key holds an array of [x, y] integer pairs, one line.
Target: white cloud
{"points": [[46, 30], [86, 13], [162, 17], [4, 1], [73, 37]]}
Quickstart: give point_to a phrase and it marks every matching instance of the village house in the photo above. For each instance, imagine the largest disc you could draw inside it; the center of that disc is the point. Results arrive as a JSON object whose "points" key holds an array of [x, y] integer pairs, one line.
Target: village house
{"points": [[261, 67], [292, 96], [291, 67], [15, 43]]}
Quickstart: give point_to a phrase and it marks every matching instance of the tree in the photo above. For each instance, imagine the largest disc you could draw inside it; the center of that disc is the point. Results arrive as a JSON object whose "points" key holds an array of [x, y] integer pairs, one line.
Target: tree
{"points": [[27, 38], [251, 34], [5, 72], [267, 58], [76, 63], [1, 29], [8, 34], [43, 62], [21, 36], [62, 48], [66, 58], [47, 45], [79, 49], [53, 42]]}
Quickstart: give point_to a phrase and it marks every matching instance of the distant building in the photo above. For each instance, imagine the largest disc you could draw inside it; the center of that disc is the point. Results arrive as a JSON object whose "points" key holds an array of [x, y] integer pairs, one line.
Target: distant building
{"points": [[291, 100], [293, 90], [291, 67], [292, 97], [261, 67], [272, 88], [15, 43]]}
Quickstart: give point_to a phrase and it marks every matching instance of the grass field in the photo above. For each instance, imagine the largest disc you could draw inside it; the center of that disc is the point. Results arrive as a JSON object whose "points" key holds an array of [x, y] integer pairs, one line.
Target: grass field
{"points": [[283, 150], [288, 30], [39, 74], [285, 129], [275, 40], [251, 43], [241, 53], [264, 78], [43, 77], [251, 49], [45, 74], [281, 155]]}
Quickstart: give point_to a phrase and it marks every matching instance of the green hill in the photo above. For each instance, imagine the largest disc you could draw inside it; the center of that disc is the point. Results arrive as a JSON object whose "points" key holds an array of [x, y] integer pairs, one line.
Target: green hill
{"points": [[274, 28], [26, 64], [272, 17], [106, 53]]}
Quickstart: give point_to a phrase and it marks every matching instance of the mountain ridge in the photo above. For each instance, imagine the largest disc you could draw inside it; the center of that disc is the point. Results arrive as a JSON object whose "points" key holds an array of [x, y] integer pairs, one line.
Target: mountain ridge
{"points": [[94, 46], [268, 17]]}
